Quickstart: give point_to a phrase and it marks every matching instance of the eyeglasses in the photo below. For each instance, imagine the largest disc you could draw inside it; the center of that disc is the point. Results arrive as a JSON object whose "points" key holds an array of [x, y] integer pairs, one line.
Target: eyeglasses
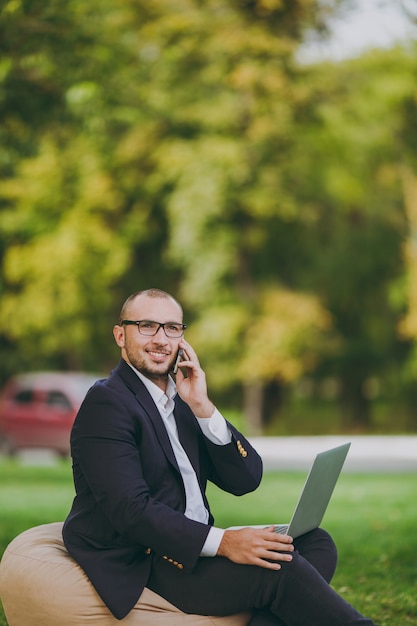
{"points": [[149, 328]]}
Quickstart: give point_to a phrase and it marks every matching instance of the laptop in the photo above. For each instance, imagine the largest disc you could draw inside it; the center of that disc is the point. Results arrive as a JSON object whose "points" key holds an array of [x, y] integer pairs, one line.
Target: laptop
{"points": [[316, 493]]}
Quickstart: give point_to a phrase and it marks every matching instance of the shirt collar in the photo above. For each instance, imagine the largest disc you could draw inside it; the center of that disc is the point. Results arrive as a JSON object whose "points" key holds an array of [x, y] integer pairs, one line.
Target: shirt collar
{"points": [[161, 398]]}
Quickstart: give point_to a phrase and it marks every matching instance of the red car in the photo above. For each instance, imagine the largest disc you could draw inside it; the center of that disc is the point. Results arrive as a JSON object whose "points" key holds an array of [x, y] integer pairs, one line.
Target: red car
{"points": [[37, 410]]}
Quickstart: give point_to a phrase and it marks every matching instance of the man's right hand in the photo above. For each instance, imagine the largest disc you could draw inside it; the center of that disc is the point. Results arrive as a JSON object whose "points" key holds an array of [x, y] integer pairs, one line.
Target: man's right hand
{"points": [[256, 546]]}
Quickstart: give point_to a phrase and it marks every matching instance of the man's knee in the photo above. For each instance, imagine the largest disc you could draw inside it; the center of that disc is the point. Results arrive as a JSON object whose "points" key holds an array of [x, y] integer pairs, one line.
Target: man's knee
{"points": [[325, 542], [319, 549]]}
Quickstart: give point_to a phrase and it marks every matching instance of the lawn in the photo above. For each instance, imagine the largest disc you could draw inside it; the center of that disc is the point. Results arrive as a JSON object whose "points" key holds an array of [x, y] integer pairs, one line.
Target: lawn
{"points": [[372, 517]]}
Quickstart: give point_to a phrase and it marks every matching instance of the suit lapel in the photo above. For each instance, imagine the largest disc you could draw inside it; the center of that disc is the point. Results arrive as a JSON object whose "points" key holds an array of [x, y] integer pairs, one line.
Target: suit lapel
{"points": [[144, 398], [190, 436], [188, 433]]}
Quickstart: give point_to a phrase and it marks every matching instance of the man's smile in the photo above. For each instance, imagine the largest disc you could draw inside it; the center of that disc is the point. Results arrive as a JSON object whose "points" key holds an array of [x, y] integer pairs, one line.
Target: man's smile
{"points": [[157, 355]]}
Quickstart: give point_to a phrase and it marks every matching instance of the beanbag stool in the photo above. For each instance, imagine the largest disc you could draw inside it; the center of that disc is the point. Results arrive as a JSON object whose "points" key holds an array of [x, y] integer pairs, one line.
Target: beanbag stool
{"points": [[41, 585]]}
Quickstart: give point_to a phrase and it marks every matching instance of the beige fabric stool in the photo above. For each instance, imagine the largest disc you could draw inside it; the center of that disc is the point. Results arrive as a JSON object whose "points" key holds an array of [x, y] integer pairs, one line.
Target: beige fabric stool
{"points": [[41, 585]]}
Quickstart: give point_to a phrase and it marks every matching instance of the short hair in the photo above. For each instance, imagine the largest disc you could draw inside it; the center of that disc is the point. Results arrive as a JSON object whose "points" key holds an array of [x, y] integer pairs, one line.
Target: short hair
{"points": [[153, 292]]}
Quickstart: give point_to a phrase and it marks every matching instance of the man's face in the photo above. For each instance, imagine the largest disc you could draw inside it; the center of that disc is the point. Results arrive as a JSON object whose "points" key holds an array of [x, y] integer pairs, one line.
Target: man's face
{"points": [[152, 356]]}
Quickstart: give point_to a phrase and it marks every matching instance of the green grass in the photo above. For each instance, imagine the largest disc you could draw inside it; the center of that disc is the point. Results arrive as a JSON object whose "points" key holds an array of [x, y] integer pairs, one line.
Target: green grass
{"points": [[372, 517]]}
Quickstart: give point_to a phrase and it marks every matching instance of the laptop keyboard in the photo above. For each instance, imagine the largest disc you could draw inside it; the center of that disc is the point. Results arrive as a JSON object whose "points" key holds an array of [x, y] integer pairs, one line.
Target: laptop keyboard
{"points": [[282, 529]]}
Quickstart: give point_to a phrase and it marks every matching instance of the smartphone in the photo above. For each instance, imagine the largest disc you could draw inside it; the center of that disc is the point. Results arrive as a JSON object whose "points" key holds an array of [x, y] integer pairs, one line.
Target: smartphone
{"points": [[177, 361]]}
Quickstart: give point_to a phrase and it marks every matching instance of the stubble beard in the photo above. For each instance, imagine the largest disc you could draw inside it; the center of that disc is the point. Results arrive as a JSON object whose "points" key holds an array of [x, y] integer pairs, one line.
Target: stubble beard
{"points": [[140, 364]]}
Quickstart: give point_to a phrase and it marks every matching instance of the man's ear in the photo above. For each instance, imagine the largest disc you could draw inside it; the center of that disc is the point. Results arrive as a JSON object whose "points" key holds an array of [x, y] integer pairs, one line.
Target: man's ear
{"points": [[119, 335]]}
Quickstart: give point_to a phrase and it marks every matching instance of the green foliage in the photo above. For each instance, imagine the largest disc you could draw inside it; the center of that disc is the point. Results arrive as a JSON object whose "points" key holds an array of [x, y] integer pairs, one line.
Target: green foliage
{"points": [[181, 145], [56, 294]]}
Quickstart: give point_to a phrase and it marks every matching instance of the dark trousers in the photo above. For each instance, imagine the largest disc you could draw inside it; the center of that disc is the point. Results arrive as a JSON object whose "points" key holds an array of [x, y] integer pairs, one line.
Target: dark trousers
{"points": [[298, 594]]}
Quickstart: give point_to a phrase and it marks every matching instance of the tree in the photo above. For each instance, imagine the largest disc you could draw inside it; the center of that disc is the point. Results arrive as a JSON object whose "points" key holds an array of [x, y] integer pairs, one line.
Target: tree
{"points": [[352, 186], [134, 90], [181, 145]]}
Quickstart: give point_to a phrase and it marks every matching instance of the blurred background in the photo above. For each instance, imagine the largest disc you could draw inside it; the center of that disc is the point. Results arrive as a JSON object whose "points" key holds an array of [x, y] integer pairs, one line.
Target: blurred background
{"points": [[255, 158]]}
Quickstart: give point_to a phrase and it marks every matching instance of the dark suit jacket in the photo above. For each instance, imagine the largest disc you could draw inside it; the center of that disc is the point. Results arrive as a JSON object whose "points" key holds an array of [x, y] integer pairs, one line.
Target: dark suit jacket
{"points": [[130, 495]]}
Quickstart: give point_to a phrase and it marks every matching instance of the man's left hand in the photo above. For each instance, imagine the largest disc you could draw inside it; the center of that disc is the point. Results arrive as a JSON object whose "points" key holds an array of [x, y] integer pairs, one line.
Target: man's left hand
{"points": [[192, 388]]}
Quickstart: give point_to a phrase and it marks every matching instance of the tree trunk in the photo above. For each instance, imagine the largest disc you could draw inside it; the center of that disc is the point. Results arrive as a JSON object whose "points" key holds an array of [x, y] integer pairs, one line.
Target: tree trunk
{"points": [[355, 405], [253, 402]]}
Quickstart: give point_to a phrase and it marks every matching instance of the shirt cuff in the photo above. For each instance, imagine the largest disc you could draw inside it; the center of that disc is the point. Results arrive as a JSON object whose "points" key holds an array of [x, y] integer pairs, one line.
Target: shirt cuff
{"points": [[215, 429], [211, 545]]}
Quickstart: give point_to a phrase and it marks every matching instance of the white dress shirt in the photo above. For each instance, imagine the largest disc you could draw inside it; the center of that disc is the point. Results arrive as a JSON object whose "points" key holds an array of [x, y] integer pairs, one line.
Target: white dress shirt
{"points": [[215, 429]]}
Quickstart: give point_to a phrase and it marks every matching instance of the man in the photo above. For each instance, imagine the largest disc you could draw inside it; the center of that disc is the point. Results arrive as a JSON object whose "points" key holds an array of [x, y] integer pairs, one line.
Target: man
{"points": [[143, 450]]}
